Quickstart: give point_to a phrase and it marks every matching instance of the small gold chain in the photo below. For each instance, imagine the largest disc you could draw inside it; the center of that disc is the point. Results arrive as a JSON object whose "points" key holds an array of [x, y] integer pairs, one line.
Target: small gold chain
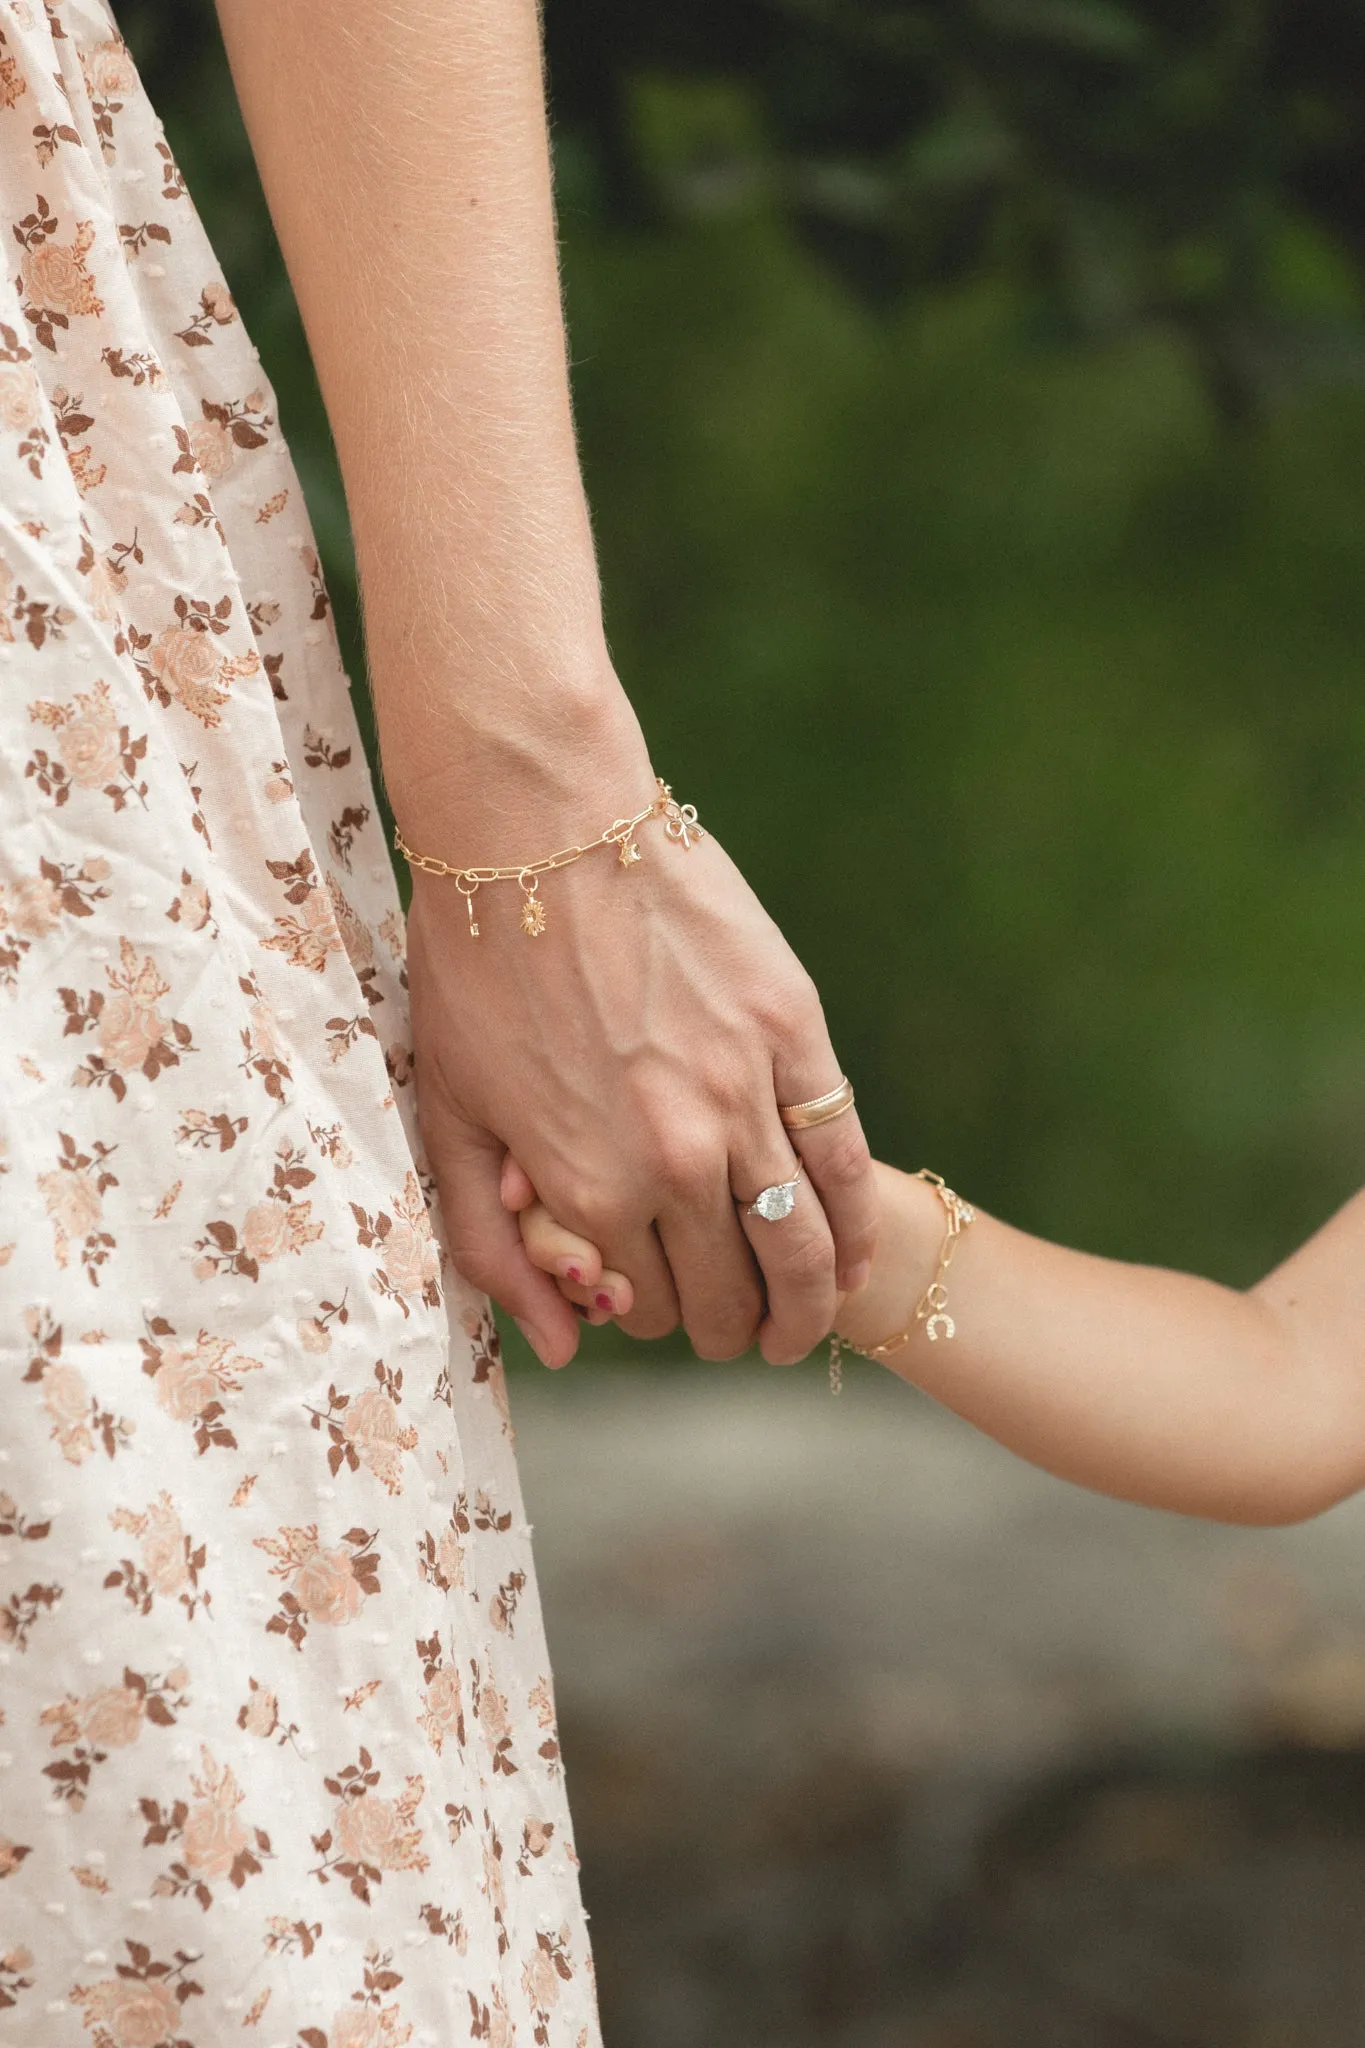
{"points": [[932, 1307], [680, 824]]}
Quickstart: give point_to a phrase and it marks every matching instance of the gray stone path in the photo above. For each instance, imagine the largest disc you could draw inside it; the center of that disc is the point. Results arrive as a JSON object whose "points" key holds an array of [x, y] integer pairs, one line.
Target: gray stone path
{"points": [[812, 1655]]}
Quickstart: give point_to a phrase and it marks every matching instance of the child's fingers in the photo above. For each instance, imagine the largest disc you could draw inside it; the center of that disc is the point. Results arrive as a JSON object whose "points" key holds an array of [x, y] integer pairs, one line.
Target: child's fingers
{"points": [[515, 1188], [611, 1296], [558, 1251]]}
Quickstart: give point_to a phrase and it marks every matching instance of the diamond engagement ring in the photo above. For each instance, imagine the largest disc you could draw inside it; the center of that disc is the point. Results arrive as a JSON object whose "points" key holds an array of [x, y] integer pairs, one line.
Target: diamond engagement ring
{"points": [[773, 1203]]}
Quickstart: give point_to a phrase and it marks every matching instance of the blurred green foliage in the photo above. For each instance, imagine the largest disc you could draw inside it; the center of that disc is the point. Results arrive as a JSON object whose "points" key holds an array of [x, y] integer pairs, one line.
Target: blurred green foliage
{"points": [[987, 567]]}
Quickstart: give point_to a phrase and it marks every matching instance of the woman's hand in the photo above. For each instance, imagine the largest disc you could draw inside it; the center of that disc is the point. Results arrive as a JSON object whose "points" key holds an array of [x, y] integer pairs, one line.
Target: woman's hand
{"points": [[632, 1059]]}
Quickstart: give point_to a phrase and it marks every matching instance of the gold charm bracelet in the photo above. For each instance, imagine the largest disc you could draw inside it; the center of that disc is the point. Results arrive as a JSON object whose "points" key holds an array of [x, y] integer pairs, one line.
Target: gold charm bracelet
{"points": [[932, 1307], [680, 825]]}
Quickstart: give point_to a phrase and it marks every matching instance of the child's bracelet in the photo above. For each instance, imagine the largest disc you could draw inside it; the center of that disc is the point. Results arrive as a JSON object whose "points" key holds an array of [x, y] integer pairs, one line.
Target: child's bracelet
{"points": [[680, 823], [932, 1307]]}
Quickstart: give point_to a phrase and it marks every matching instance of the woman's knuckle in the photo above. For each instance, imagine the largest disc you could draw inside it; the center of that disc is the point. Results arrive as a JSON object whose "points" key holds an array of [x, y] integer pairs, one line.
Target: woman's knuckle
{"points": [[845, 1161], [809, 1263]]}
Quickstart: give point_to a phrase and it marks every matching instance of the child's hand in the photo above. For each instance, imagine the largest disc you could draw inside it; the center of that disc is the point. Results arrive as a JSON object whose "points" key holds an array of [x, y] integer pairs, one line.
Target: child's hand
{"points": [[576, 1266]]}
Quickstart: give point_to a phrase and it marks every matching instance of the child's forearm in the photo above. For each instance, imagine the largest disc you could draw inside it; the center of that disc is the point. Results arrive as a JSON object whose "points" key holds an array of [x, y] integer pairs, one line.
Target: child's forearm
{"points": [[1151, 1385]]}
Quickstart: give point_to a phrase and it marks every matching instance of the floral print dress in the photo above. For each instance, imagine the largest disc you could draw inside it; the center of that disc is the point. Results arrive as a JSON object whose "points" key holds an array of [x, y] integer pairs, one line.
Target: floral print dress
{"points": [[278, 1757]]}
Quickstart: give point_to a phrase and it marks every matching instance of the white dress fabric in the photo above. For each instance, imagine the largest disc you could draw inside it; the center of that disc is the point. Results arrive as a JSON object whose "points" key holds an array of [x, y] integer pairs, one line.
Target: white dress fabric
{"points": [[278, 1759]]}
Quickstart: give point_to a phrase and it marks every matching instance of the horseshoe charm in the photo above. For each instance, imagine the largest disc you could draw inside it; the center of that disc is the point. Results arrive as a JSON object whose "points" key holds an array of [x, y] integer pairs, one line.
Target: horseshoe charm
{"points": [[940, 1324]]}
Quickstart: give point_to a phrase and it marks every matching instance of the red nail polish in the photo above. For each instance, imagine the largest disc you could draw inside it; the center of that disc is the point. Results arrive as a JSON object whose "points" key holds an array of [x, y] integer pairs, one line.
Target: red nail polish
{"points": [[573, 1273], [604, 1301]]}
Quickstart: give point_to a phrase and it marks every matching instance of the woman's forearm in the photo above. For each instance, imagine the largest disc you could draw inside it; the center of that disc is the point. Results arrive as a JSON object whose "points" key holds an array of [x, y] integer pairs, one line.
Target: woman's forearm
{"points": [[402, 145], [1156, 1386]]}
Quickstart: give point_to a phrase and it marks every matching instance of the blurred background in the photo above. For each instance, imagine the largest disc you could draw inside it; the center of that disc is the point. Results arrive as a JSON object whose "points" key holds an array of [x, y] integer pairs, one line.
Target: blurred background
{"points": [[972, 397]]}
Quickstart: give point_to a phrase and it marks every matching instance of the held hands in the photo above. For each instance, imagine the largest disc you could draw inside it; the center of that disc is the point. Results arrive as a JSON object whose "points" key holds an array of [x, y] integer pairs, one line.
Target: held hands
{"points": [[632, 1058]]}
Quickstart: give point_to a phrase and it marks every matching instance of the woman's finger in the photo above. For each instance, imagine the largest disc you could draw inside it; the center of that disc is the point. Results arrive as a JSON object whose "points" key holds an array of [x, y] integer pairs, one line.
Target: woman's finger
{"points": [[793, 1247], [515, 1186], [836, 1158], [719, 1289]]}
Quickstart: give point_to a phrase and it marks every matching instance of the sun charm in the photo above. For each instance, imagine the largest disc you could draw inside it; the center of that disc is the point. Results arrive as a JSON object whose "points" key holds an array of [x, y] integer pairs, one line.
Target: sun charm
{"points": [[533, 919]]}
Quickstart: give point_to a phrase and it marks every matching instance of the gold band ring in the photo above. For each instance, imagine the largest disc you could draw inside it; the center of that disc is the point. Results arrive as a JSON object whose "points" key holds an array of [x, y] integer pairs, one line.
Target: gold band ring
{"points": [[822, 1109]]}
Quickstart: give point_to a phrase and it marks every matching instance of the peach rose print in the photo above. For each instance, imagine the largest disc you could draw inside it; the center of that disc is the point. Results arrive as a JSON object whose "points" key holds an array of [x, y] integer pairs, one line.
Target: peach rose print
{"points": [[142, 2008], [73, 1195], [184, 665], [323, 1583], [193, 1381], [91, 749], [214, 1841], [409, 1258], [364, 1429], [131, 1033], [171, 1563], [369, 1834], [54, 276]]}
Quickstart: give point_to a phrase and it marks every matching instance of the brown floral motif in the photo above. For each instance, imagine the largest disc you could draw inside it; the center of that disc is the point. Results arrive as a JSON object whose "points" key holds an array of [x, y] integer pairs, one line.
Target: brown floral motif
{"points": [[133, 1036], [73, 1194], [263, 1054], [193, 1381], [364, 1430], [91, 749], [53, 275], [369, 1835], [442, 1716], [366, 2022], [490, 1711], [111, 1718], [502, 1607], [139, 366], [33, 905], [109, 78], [314, 1332], [536, 1837], [259, 1715], [13, 84], [207, 1131], [209, 447], [37, 618], [215, 310], [342, 1032], [182, 665], [72, 421], [135, 236], [21, 1610], [330, 1140], [171, 1562], [214, 1840], [13, 1522], [271, 1229], [142, 2005], [323, 1584], [341, 837], [193, 907], [78, 1421], [440, 1559], [21, 399], [318, 751], [309, 936], [545, 1971], [15, 1962], [409, 1257], [543, 1707], [490, 2024]]}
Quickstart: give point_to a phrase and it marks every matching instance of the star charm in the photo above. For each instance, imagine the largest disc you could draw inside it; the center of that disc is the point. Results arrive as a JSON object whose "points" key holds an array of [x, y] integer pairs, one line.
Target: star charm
{"points": [[629, 853]]}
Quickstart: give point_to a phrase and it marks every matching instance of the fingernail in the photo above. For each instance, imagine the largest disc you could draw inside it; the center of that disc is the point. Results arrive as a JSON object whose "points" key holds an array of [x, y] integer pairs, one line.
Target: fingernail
{"points": [[571, 1271], [857, 1276], [604, 1301], [532, 1339]]}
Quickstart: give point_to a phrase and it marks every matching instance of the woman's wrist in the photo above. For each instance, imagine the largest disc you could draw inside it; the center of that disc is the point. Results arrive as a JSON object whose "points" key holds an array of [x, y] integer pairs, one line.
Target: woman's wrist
{"points": [[484, 778]]}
